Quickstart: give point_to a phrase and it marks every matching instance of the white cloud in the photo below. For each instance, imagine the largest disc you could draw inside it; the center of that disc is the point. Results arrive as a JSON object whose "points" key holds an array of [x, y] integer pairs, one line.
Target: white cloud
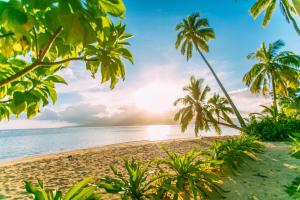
{"points": [[149, 88], [247, 102]]}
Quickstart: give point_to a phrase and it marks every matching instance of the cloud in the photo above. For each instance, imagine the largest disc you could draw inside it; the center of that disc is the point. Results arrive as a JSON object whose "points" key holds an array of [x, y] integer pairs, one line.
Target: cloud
{"points": [[247, 102], [77, 114], [146, 97]]}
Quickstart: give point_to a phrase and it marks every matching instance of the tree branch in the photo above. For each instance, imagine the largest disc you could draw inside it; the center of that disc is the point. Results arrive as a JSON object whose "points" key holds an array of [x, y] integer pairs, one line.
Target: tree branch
{"points": [[36, 44], [82, 58], [35, 64], [6, 35], [48, 47]]}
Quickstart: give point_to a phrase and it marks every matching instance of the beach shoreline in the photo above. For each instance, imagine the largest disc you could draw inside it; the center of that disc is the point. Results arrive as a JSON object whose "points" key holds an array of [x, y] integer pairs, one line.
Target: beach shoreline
{"points": [[51, 155], [61, 170]]}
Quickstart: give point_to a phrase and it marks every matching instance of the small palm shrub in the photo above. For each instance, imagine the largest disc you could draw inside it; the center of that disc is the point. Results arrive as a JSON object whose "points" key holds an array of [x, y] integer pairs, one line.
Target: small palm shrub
{"points": [[235, 152], [267, 129], [134, 184], [80, 191], [188, 176], [293, 189], [295, 147]]}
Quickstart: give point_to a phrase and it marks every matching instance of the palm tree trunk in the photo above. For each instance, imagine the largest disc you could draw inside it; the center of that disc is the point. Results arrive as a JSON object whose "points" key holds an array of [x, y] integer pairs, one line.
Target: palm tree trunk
{"points": [[274, 97], [237, 113]]}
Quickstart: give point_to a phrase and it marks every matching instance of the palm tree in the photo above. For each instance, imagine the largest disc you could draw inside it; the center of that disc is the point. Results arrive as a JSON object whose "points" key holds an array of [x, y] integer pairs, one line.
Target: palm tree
{"points": [[267, 112], [195, 107], [194, 32], [290, 104], [289, 9], [273, 68], [220, 107]]}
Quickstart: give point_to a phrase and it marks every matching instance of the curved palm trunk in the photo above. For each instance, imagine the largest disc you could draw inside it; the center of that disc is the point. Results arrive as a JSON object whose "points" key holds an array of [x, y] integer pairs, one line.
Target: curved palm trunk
{"points": [[237, 113], [229, 125], [274, 98]]}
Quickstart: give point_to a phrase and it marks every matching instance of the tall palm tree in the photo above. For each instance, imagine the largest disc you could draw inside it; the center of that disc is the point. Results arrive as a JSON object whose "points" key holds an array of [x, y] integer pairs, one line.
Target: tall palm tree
{"points": [[288, 7], [278, 69], [220, 107], [196, 108], [194, 32]]}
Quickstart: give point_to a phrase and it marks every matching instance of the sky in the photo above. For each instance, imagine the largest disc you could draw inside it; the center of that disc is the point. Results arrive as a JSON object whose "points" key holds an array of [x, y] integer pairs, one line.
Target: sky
{"points": [[160, 71]]}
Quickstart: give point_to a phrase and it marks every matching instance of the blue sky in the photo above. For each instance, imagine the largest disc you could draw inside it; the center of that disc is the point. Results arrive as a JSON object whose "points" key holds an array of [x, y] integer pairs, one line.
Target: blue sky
{"points": [[237, 34], [160, 71]]}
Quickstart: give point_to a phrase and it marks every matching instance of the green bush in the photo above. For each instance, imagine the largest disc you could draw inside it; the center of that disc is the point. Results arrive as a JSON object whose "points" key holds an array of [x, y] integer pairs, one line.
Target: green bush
{"points": [[80, 191], [188, 176], [134, 184], [295, 147], [235, 152], [293, 189], [267, 129]]}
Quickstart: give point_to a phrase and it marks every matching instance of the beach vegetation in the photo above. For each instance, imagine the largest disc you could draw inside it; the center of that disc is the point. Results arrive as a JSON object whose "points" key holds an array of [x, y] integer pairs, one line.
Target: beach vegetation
{"points": [[275, 68], [290, 105], [189, 176], [135, 184], [267, 129], [235, 152], [293, 189], [82, 190], [206, 114], [38, 39], [194, 32], [295, 147], [290, 10]]}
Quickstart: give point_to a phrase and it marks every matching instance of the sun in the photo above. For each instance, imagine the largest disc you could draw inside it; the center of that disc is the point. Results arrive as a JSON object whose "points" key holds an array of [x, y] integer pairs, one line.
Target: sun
{"points": [[157, 97]]}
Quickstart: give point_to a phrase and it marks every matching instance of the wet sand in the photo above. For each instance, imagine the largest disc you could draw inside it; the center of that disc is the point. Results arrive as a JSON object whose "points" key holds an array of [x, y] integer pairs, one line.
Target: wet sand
{"points": [[263, 179]]}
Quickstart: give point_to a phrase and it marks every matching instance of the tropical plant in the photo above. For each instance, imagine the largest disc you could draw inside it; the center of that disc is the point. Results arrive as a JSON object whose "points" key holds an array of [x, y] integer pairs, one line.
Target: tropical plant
{"points": [[194, 32], [195, 107], [81, 190], [295, 147], [40, 38], [220, 108], [289, 8], [188, 176], [293, 189], [267, 129], [235, 152], [290, 105], [275, 68], [267, 112], [132, 185]]}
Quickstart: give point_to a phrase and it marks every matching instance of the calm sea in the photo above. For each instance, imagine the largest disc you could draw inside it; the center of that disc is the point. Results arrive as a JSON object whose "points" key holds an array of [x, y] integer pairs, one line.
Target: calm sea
{"points": [[15, 144]]}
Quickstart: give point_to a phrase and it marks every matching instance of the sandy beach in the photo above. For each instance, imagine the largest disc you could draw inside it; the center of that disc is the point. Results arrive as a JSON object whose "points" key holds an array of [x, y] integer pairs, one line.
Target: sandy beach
{"points": [[264, 179]]}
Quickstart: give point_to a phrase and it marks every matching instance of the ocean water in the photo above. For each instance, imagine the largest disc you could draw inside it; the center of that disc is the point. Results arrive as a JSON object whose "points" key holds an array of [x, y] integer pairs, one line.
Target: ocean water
{"points": [[16, 144]]}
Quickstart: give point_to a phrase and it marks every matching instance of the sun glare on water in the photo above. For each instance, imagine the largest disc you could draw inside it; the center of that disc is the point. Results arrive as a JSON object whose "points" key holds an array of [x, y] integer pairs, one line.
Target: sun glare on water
{"points": [[156, 97]]}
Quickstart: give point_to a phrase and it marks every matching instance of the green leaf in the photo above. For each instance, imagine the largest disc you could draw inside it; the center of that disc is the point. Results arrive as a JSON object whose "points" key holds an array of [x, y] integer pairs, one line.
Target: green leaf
{"points": [[52, 93], [56, 79], [14, 16], [72, 24], [76, 188], [113, 7]]}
